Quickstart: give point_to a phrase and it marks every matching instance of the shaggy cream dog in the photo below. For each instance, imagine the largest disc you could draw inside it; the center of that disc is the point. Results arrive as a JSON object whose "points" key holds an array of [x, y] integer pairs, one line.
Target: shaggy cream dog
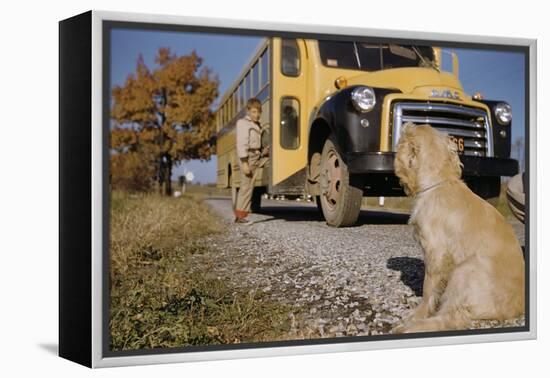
{"points": [[473, 261]]}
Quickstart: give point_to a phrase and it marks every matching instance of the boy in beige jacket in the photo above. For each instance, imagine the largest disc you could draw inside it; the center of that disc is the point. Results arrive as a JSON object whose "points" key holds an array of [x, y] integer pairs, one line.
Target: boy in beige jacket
{"points": [[251, 156]]}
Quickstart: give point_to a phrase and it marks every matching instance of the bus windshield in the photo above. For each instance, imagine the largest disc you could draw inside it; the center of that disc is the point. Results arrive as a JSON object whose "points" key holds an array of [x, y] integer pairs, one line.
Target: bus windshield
{"points": [[374, 56]]}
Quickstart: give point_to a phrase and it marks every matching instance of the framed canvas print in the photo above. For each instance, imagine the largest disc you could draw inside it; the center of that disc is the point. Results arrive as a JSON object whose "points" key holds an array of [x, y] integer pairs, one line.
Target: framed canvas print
{"points": [[234, 189]]}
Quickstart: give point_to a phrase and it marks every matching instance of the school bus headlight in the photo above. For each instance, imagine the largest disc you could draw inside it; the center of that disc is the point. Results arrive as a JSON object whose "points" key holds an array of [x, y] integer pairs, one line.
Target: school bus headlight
{"points": [[363, 99], [503, 113]]}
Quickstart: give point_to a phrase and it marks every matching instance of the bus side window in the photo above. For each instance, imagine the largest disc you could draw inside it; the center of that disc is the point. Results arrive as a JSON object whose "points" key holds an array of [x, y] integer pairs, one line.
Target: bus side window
{"points": [[290, 58], [290, 123]]}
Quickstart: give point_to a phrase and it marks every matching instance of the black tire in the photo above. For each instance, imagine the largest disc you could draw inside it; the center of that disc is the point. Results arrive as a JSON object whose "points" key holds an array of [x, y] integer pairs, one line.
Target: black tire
{"points": [[515, 196], [234, 192], [319, 206], [340, 201], [256, 201]]}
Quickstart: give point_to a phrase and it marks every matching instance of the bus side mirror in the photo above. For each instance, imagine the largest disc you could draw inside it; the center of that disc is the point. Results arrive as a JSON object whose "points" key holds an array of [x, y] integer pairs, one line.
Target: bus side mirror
{"points": [[455, 64]]}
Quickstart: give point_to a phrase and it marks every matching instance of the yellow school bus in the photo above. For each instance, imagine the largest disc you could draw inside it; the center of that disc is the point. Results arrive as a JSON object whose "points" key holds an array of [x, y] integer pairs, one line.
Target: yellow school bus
{"points": [[332, 114]]}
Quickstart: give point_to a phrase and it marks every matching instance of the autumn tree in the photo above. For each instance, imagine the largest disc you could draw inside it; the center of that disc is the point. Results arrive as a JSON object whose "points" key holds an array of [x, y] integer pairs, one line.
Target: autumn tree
{"points": [[162, 116]]}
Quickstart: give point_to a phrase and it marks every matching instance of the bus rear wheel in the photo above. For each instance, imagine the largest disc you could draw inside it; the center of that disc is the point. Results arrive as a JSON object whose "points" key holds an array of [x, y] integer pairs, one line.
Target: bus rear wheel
{"points": [[256, 201], [340, 201], [234, 193]]}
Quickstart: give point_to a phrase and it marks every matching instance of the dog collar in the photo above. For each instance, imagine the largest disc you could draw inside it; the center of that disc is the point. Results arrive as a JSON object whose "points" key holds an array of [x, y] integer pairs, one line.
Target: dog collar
{"points": [[430, 187]]}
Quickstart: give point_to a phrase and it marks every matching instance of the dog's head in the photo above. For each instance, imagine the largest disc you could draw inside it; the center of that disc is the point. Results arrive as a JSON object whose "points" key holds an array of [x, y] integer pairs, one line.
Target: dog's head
{"points": [[424, 157]]}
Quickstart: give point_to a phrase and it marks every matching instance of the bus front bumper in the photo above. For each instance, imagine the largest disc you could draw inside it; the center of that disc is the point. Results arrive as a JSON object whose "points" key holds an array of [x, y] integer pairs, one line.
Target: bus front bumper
{"points": [[382, 162]]}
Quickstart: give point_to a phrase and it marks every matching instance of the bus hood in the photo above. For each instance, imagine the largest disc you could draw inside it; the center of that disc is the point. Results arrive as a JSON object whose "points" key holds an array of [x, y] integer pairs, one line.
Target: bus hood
{"points": [[408, 79]]}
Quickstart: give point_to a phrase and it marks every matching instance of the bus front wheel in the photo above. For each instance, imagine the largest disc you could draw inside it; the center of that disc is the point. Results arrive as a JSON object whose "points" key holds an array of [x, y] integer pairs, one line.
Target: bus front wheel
{"points": [[340, 201]]}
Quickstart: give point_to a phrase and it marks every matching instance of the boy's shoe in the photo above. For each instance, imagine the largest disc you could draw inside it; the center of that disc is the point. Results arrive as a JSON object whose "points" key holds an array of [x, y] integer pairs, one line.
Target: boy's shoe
{"points": [[243, 221]]}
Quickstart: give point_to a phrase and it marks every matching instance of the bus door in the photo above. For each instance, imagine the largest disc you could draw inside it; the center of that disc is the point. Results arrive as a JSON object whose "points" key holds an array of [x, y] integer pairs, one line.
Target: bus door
{"points": [[289, 116]]}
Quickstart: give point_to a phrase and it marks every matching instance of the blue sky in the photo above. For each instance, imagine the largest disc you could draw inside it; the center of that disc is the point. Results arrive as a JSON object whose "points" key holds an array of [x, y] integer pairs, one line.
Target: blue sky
{"points": [[496, 74]]}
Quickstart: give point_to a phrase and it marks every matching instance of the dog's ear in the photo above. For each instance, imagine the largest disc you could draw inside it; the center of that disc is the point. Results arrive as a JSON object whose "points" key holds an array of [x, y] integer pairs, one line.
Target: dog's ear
{"points": [[407, 134], [405, 159], [413, 153], [452, 149]]}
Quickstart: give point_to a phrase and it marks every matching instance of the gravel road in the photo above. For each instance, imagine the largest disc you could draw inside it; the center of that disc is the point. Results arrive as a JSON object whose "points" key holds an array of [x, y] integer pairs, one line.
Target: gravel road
{"points": [[342, 282]]}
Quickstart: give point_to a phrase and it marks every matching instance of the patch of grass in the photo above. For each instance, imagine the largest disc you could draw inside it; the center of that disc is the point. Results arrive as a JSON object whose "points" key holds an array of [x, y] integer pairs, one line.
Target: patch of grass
{"points": [[159, 297]]}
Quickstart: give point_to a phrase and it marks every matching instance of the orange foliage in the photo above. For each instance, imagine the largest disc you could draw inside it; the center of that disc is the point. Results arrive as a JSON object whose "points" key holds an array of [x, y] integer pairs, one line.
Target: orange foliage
{"points": [[163, 115]]}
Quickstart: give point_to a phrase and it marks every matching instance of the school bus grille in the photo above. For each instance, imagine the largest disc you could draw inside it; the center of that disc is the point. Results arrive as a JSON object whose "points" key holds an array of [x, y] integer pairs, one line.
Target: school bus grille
{"points": [[469, 124]]}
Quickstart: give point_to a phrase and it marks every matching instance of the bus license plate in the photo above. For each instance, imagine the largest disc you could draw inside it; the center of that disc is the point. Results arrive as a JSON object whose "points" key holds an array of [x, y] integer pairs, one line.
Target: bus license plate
{"points": [[459, 143]]}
